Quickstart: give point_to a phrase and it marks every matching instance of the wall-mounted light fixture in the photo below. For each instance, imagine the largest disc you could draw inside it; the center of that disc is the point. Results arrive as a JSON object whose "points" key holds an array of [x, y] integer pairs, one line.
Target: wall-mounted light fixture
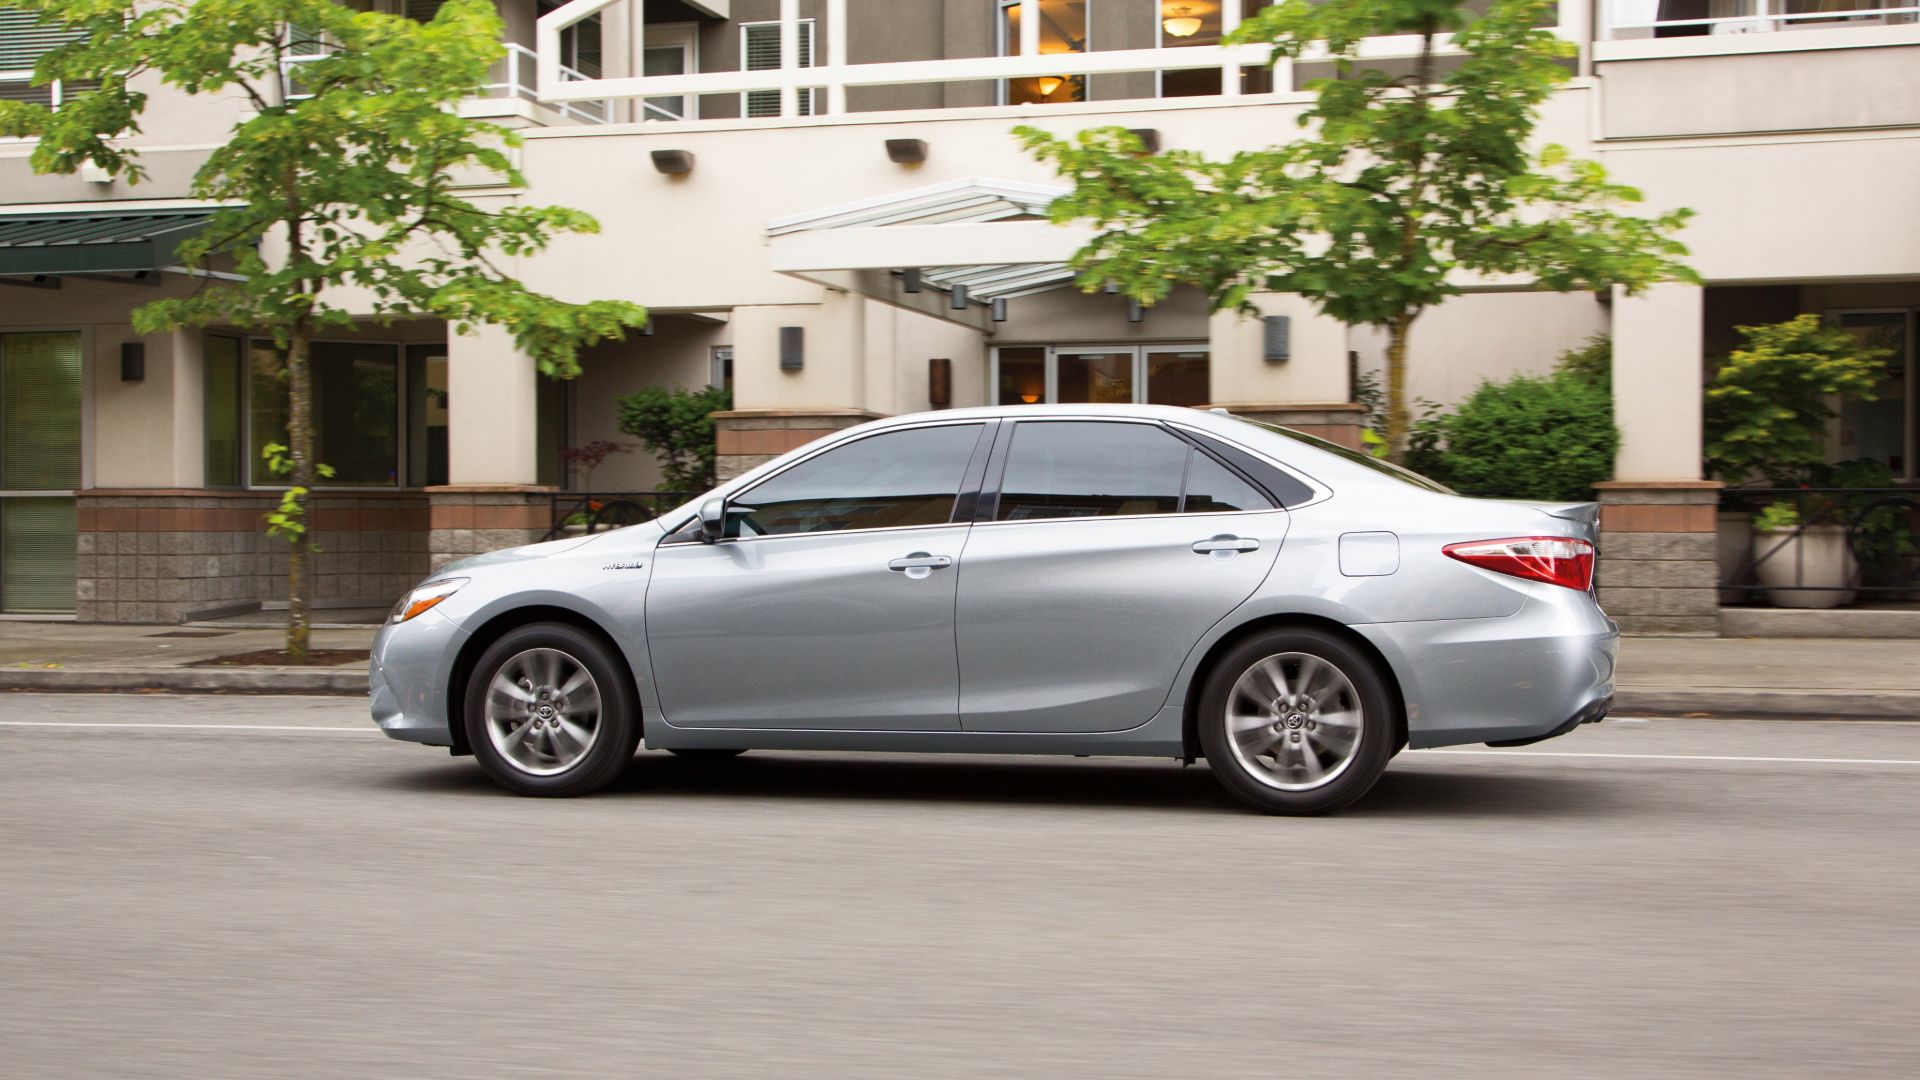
{"points": [[1278, 338], [940, 382], [673, 162], [133, 361], [906, 151], [793, 348], [999, 309], [1149, 139], [910, 279], [958, 300], [1135, 310]]}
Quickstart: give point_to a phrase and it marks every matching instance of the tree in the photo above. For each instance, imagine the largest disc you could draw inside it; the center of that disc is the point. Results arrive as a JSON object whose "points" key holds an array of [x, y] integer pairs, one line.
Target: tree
{"points": [[348, 182], [1398, 188], [1767, 405]]}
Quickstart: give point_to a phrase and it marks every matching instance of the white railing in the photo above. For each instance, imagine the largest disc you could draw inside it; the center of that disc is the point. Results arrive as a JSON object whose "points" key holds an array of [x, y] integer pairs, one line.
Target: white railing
{"points": [[1630, 19], [18, 86], [835, 74], [517, 69]]}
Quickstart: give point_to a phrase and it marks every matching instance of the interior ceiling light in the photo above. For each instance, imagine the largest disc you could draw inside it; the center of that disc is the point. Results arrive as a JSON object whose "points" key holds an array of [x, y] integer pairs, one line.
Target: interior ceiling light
{"points": [[1182, 23], [1048, 84]]}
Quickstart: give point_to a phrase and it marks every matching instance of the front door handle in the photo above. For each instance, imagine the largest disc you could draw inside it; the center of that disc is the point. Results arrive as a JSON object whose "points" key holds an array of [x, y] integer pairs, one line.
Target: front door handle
{"points": [[1226, 543], [920, 564]]}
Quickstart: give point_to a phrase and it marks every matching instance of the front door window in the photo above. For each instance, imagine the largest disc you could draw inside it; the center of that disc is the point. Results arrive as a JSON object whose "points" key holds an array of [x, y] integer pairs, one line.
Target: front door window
{"points": [[1139, 374], [896, 480], [40, 393]]}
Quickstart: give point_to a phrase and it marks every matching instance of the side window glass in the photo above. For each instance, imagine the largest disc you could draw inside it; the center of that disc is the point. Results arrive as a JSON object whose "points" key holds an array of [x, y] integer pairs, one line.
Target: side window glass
{"points": [[1065, 469], [1282, 485], [1212, 488], [888, 481]]}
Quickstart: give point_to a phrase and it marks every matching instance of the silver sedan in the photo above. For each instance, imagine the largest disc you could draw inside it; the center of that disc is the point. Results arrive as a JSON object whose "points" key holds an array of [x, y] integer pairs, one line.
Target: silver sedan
{"points": [[1073, 579]]}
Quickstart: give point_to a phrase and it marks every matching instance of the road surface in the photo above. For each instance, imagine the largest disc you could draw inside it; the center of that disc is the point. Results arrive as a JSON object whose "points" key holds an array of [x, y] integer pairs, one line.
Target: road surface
{"points": [[261, 887]]}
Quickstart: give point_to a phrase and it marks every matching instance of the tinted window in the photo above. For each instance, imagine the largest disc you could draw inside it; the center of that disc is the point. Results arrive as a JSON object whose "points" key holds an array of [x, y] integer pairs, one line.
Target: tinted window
{"points": [[1213, 488], [1088, 469], [1282, 485], [1379, 465], [888, 481]]}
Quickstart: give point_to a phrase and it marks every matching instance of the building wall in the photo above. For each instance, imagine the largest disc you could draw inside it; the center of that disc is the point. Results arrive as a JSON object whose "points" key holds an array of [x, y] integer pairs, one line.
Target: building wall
{"points": [[679, 354]]}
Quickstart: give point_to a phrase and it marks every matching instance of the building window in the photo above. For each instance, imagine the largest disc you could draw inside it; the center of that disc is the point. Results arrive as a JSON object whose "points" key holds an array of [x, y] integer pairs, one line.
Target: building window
{"points": [[760, 51], [1142, 374], [1883, 429], [24, 38], [1186, 24], [224, 374], [580, 48], [722, 377], [1063, 29], [426, 415], [40, 411], [356, 411]]}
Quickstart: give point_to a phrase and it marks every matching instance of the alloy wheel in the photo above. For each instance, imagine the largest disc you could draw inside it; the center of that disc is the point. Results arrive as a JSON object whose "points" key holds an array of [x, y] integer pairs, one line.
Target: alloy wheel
{"points": [[543, 711], [1294, 721]]}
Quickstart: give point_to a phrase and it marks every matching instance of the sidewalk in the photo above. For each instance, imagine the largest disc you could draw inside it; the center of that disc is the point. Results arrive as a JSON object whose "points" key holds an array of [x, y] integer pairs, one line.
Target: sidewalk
{"points": [[1764, 677]]}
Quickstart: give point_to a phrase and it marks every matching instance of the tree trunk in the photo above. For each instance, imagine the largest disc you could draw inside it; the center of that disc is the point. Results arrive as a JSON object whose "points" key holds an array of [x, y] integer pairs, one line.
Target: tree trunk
{"points": [[1399, 411], [300, 449]]}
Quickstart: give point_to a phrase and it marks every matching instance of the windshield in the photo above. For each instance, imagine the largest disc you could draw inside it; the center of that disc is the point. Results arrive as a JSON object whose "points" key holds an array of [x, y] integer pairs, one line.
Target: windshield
{"points": [[1379, 465]]}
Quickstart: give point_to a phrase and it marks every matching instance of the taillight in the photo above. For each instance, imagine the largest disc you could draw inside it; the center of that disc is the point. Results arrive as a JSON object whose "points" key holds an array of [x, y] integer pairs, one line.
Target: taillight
{"points": [[1556, 560]]}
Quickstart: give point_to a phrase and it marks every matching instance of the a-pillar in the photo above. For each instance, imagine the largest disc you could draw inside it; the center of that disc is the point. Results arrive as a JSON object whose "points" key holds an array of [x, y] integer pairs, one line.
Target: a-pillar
{"points": [[492, 499], [1658, 572], [1307, 391]]}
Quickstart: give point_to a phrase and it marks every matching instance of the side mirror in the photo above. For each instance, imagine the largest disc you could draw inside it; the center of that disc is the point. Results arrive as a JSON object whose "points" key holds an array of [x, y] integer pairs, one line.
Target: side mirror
{"points": [[713, 520]]}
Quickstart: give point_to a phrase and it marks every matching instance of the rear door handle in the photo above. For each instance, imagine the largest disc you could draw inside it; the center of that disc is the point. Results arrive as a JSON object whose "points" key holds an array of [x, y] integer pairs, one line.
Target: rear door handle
{"points": [[1226, 543], [920, 564]]}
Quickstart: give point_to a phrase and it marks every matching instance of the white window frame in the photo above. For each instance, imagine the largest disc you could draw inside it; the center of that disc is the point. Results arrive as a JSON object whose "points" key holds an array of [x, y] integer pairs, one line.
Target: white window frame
{"points": [[1003, 46], [813, 57]]}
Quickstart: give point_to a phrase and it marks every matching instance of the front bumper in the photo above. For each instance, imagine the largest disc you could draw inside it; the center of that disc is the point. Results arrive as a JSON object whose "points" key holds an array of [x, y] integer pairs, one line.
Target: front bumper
{"points": [[408, 673], [1535, 674]]}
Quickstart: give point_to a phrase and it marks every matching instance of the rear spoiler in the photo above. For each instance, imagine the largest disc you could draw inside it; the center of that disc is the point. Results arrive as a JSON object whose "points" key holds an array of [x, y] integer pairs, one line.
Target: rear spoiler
{"points": [[1586, 514]]}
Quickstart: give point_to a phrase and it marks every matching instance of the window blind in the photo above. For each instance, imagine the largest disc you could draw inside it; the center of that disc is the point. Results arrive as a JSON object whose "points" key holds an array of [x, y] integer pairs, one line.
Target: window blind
{"points": [[760, 51], [39, 412], [24, 38]]}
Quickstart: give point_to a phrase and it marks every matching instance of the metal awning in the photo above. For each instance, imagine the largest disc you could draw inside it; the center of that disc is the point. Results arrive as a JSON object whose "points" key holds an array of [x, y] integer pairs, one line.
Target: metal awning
{"points": [[915, 228], [92, 242]]}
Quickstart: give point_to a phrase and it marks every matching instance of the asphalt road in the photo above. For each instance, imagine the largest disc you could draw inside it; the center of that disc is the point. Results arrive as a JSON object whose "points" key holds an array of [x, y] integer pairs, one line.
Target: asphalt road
{"points": [[272, 889]]}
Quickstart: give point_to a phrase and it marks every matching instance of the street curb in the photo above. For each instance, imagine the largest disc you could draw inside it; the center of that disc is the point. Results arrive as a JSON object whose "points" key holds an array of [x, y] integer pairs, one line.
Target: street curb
{"points": [[1768, 704], [259, 680], [1644, 701]]}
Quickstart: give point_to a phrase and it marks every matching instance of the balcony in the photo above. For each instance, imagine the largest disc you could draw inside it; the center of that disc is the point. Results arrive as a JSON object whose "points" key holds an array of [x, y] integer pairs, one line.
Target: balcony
{"points": [[1645, 29]]}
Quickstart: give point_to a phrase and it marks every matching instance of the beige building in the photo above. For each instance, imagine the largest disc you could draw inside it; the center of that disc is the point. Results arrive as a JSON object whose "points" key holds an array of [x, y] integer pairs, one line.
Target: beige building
{"points": [[822, 204]]}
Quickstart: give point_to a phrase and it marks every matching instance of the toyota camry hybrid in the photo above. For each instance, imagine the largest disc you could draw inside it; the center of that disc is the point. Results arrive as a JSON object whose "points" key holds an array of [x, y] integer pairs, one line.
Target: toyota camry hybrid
{"points": [[1070, 579]]}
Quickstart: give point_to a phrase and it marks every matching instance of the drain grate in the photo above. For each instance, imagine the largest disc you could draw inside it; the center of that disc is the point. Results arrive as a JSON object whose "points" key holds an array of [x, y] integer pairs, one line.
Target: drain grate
{"points": [[192, 633]]}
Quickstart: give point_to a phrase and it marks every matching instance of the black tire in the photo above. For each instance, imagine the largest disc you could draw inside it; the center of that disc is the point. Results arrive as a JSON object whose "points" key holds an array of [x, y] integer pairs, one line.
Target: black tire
{"points": [[616, 721], [706, 753], [1351, 773]]}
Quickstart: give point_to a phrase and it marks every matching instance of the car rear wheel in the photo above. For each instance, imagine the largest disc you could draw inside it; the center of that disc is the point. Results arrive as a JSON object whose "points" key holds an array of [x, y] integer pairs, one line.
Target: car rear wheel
{"points": [[548, 712], [1296, 722]]}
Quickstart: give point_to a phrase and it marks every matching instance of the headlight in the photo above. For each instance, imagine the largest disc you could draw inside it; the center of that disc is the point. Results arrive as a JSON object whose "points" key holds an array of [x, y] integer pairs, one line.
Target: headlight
{"points": [[425, 597]]}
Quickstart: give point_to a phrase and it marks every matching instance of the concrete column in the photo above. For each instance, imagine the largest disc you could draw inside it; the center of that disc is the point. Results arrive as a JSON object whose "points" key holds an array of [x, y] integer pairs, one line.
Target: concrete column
{"points": [[1657, 383], [1658, 571], [492, 415], [1307, 391]]}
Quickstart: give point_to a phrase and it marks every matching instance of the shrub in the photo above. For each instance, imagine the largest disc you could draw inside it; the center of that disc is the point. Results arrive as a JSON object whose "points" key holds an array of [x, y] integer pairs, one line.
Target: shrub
{"points": [[1767, 405], [1525, 438], [1591, 362], [676, 427]]}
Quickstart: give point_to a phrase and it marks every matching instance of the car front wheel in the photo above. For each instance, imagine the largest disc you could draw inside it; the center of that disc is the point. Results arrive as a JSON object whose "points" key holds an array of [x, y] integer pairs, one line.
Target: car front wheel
{"points": [[549, 713], [1296, 722]]}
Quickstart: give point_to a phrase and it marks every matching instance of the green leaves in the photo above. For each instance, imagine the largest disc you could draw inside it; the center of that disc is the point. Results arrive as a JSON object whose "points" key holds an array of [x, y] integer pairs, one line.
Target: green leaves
{"points": [[289, 521], [1399, 189], [676, 426], [1526, 438], [349, 182], [1767, 404]]}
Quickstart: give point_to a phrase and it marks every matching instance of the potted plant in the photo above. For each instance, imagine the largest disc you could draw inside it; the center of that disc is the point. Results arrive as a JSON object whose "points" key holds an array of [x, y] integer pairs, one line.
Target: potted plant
{"points": [[1802, 563], [1768, 406]]}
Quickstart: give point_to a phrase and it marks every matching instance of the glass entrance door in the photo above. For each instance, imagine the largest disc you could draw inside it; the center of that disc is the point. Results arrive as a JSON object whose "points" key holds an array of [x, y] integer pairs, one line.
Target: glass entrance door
{"points": [[1103, 374], [39, 470]]}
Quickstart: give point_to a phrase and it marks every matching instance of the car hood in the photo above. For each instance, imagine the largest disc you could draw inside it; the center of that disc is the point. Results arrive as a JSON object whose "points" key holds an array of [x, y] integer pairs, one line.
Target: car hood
{"points": [[519, 554]]}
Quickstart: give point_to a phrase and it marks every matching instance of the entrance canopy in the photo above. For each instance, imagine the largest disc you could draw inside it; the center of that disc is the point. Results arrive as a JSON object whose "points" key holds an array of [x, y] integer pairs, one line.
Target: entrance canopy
{"points": [[991, 236], [94, 243]]}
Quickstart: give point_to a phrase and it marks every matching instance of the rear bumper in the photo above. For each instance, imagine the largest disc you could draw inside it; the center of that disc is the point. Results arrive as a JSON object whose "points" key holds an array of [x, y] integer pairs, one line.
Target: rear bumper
{"points": [[1535, 674]]}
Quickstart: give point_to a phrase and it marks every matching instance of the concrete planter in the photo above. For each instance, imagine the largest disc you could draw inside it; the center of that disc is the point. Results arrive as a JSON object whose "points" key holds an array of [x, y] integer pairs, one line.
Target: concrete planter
{"points": [[1816, 555]]}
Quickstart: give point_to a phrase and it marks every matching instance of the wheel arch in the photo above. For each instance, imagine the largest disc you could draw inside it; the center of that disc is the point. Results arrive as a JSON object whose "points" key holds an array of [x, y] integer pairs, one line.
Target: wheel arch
{"points": [[1196, 686], [512, 619]]}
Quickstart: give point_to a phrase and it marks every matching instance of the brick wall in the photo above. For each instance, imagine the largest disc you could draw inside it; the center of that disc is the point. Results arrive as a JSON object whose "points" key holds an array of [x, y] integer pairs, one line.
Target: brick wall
{"points": [[1659, 566]]}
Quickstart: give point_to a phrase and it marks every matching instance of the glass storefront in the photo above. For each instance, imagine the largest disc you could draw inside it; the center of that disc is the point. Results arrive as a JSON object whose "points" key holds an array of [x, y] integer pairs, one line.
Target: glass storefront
{"points": [[1144, 374], [40, 415]]}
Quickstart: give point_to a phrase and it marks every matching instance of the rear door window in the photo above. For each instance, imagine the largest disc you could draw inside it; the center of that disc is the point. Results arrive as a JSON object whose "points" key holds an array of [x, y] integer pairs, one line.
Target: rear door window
{"points": [[1071, 469]]}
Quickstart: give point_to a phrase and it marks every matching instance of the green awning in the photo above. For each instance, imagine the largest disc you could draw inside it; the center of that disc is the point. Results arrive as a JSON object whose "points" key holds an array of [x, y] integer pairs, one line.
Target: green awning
{"points": [[94, 242]]}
